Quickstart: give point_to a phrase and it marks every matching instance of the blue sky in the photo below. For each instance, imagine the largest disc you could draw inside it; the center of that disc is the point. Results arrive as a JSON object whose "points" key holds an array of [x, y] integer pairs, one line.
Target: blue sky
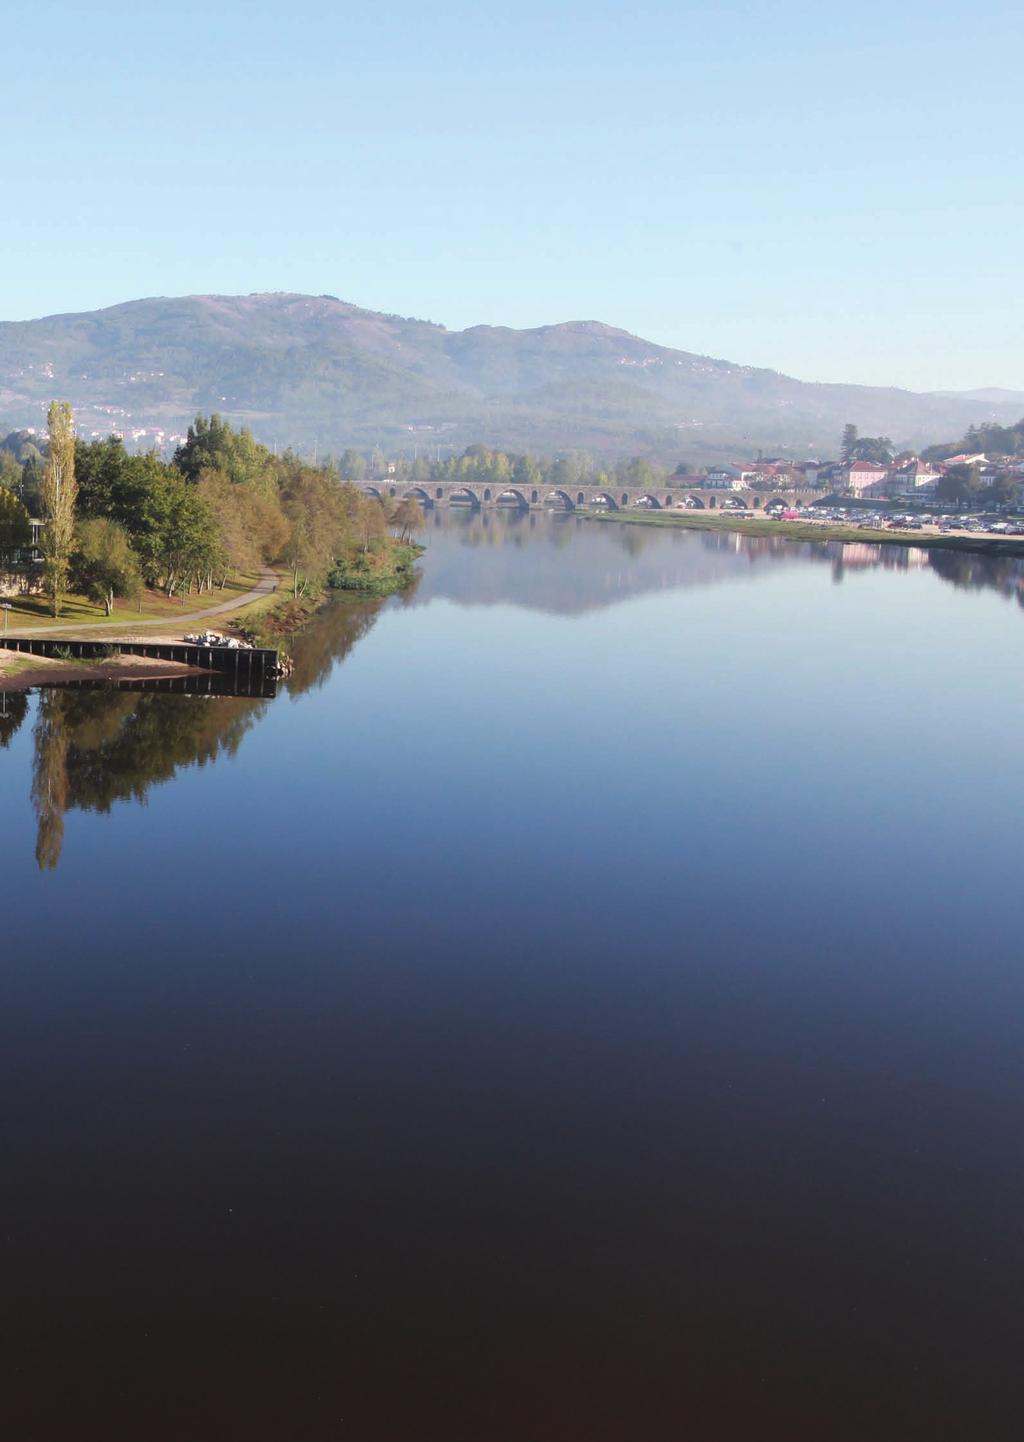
{"points": [[830, 190]]}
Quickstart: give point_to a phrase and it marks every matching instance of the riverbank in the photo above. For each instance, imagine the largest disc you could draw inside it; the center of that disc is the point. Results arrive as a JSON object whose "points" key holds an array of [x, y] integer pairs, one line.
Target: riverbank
{"points": [[379, 572], [19, 672], [983, 545], [264, 616]]}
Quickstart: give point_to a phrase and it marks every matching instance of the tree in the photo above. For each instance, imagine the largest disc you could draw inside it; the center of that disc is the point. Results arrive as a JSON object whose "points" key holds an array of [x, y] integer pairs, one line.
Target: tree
{"points": [[213, 445], [959, 484], [10, 472], [1002, 490], [31, 482], [642, 473], [371, 521], [321, 515], [15, 530], [876, 449], [104, 564], [353, 465], [526, 473], [848, 445], [59, 494], [408, 517], [176, 536], [565, 473]]}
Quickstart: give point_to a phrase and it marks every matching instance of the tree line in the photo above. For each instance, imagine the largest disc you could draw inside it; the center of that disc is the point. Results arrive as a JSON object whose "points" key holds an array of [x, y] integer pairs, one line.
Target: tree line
{"points": [[485, 466], [115, 522], [988, 440]]}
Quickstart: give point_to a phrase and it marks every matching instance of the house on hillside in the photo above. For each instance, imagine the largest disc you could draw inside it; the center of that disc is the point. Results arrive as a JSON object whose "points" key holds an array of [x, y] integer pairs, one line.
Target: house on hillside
{"points": [[808, 473], [862, 477], [978, 458], [916, 477]]}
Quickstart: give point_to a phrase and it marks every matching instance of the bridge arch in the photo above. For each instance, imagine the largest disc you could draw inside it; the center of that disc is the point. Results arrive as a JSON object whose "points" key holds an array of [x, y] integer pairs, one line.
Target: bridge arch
{"points": [[487, 493], [695, 503], [512, 496], [373, 491], [553, 498], [669, 501], [648, 502], [625, 499], [463, 494], [580, 498], [712, 502], [603, 498], [417, 493], [534, 497]]}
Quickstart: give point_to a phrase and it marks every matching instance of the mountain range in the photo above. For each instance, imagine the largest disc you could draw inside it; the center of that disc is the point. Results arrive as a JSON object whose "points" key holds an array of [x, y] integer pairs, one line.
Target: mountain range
{"points": [[313, 372]]}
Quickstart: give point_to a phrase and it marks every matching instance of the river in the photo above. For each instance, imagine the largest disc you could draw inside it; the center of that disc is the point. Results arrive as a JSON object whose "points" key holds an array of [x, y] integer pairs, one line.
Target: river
{"points": [[586, 1003]]}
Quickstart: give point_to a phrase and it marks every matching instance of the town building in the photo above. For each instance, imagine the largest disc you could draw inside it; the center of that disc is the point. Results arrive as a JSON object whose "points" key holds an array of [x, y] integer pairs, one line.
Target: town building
{"points": [[862, 477]]}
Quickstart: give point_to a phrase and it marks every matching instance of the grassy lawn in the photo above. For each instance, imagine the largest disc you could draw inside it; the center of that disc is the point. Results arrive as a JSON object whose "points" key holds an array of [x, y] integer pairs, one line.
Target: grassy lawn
{"points": [[246, 615], [34, 611]]}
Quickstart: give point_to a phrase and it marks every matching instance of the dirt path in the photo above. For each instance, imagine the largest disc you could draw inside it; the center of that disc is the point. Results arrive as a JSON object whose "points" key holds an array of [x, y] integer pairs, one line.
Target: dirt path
{"points": [[267, 585]]}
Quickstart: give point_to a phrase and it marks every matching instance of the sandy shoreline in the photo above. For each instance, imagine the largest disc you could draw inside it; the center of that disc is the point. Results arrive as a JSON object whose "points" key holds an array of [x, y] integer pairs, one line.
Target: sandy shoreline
{"points": [[20, 672]]}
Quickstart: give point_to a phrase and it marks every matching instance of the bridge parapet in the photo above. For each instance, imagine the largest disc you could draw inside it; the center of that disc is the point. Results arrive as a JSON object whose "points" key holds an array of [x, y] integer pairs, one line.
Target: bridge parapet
{"points": [[582, 497]]}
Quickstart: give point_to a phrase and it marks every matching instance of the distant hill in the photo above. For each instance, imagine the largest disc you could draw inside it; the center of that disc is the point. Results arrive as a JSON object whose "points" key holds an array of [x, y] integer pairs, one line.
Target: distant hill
{"points": [[313, 370]]}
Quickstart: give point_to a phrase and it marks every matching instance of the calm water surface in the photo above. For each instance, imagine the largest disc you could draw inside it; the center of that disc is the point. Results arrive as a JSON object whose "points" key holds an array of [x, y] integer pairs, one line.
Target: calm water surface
{"points": [[588, 1004]]}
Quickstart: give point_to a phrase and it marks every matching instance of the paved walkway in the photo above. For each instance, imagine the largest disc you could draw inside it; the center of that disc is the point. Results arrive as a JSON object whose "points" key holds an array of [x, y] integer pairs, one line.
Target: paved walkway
{"points": [[267, 585]]}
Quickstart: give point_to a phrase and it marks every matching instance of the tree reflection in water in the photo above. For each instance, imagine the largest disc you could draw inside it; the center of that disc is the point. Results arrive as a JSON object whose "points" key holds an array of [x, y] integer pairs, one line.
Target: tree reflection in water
{"points": [[96, 747], [93, 748], [13, 710]]}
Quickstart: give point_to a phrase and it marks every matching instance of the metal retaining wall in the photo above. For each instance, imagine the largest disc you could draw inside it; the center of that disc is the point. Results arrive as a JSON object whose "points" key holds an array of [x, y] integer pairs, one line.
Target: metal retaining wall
{"points": [[244, 672]]}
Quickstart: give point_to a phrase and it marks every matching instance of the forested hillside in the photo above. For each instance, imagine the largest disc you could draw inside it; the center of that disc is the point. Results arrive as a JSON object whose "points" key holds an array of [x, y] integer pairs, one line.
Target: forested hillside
{"points": [[317, 374]]}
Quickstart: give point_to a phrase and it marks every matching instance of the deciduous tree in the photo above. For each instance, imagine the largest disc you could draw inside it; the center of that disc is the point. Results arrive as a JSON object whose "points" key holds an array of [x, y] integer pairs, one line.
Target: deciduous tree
{"points": [[59, 494], [15, 530], [104, 565]]}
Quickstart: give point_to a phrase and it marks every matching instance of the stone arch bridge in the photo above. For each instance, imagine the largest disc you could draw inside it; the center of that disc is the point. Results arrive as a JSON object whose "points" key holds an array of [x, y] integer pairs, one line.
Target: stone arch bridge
{"points": [[581, 497]]}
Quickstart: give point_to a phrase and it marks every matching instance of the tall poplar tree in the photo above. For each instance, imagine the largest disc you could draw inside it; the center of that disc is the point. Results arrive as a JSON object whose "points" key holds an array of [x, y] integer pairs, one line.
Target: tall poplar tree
{"points": [[58, 494]]}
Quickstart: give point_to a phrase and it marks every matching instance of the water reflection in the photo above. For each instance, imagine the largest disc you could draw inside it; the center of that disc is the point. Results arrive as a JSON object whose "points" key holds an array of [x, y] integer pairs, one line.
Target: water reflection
{"points": [[93, 748], [97, 746], [575, 566], [627, 1003], [13, 710]]}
